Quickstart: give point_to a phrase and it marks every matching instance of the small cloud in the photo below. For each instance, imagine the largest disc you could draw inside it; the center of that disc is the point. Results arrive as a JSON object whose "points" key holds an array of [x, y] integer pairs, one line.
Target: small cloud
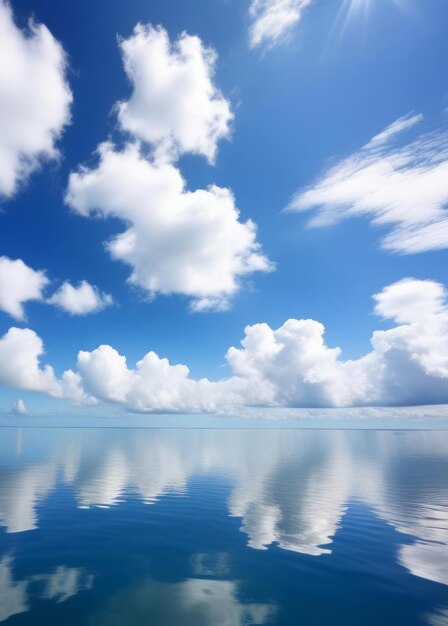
{"points": [[272, 20], [19, 284], [80, 300], [19, 408]]}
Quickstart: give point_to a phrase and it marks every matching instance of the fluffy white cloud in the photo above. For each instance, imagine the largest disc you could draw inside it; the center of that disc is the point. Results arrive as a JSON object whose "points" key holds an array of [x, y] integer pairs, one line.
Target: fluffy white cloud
{"points": [[411, 300], [19, 284], [408, 364], [174, 105], [34, 98], [401, 186], [273, 19], [290, 366], [80, 300], [293, 367], [20, 351], [177, 241], [19, 408], [20, 368], [153, 385]]}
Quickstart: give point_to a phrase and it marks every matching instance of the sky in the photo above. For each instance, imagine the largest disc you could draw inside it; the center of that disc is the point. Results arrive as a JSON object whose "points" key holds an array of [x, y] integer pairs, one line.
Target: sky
{"points": [[211, 206]]}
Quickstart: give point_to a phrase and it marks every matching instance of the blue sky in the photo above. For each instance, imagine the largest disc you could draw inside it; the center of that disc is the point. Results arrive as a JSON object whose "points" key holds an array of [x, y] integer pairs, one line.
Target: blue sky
{"points": [[338, 76]]}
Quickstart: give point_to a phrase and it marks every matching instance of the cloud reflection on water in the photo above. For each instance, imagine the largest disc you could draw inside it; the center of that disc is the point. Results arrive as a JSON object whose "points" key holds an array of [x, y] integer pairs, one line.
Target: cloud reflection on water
{"points": [[58, 586], [290, 488]]}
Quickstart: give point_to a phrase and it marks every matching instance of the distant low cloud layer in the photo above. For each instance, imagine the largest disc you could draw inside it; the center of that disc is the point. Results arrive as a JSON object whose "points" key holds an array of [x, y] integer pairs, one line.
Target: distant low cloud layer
{"points": [[286, 367], [272, 20], [400, 182], [35, 99]]}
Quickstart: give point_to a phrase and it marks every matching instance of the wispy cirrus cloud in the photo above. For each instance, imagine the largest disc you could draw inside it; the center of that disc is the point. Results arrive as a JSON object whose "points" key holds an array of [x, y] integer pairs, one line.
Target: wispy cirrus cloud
{"points": [[399, 180], [272, 20]]}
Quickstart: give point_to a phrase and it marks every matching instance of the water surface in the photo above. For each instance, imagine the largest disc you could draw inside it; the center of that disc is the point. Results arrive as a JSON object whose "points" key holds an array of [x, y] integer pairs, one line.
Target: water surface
{"points": [[145, 527]]}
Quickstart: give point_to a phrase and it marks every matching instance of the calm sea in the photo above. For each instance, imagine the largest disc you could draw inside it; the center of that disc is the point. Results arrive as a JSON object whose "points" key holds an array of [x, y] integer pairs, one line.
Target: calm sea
{"points": [[148, 527]]}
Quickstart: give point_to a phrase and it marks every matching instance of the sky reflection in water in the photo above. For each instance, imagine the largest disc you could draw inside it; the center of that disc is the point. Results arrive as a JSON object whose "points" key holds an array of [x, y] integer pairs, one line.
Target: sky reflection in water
{"points": [[221, 527]]}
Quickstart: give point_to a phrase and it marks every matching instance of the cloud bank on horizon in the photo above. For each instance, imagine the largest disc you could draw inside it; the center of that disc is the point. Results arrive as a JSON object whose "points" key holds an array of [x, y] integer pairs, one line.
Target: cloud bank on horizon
{"points": [[290, 366]]}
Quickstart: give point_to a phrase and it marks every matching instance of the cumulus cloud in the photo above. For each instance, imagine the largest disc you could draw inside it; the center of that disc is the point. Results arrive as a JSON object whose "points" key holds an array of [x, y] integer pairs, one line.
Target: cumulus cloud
{"points": [[290, 366], [271, 20], [19, 408], [293, 367], [35, 98], [177, 241], [19, 284], [408, 364], [399, 183], [80, 300], [20, 352], [411, 300], [153, 385], [174, 105]]}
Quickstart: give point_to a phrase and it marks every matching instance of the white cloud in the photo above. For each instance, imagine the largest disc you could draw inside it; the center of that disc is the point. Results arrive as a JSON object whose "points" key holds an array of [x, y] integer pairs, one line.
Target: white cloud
{"points": [[403, 186], [80, 300], [174, 105], [293, 367], [411, 300], [271, 20], [20, 368], [290, 366], [19, 408], [19, 284], [20, 351], [153, 385], [177, 241], [34, 98], [403, 123]]}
